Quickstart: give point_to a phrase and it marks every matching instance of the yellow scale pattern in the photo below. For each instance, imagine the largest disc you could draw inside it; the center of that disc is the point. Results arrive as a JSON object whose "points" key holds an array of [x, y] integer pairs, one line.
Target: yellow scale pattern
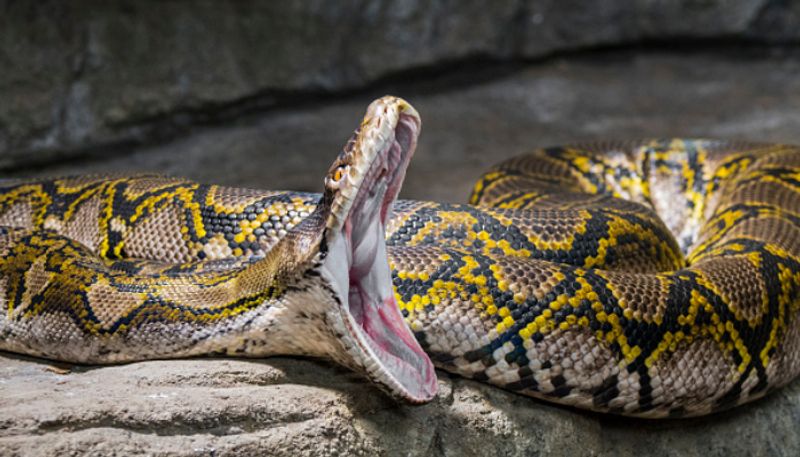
{"points": [[172, 279], [655, 278], [645, 313]]}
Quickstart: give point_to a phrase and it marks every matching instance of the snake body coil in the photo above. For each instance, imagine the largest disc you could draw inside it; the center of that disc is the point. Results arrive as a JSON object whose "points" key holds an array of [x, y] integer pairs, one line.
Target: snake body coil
{"points": [[654, 278]]}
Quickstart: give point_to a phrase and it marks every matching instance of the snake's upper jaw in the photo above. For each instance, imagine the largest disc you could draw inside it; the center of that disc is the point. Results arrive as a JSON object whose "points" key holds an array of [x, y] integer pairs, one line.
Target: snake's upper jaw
{"points": [[361, 188]]}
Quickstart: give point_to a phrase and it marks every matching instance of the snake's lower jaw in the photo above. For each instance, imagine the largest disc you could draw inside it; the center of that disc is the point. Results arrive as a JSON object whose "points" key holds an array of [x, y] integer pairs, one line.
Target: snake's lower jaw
{"points": [[377, 341]]}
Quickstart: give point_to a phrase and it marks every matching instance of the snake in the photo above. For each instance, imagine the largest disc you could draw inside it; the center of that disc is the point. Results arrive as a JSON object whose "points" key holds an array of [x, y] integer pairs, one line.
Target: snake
{"points": [[651, 278]]}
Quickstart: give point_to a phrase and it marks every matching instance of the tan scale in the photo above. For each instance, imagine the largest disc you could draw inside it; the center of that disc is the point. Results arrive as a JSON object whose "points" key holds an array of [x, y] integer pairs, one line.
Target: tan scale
{"points": [[171, 246]]}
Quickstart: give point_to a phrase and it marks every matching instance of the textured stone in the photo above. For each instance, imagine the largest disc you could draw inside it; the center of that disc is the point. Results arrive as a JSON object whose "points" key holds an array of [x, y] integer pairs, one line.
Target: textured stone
{"points": [[467, 129], [287, 406], [77, 76], [299, 407]]}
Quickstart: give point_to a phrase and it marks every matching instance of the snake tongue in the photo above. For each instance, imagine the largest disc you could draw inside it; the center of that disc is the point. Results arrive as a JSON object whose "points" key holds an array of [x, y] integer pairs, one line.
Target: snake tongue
{"points": [[379, 343]]}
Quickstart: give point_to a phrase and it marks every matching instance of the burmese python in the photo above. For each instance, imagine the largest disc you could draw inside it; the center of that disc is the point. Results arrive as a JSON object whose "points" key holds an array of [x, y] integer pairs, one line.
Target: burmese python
{"points": [[654, 278]]}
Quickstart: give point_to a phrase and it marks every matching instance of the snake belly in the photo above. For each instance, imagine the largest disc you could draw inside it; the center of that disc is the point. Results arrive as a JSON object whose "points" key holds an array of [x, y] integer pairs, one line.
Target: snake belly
{"points": [[656, 278]]}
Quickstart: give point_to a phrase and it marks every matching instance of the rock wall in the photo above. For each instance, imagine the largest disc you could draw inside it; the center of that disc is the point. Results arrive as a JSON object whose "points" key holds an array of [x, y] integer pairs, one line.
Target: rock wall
{"points": [[77, 76]]}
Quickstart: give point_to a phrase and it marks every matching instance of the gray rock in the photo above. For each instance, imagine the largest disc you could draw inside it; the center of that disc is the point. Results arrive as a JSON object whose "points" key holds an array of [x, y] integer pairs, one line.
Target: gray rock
{"points": [[467, 129], [287, 406], [297, 407], [79, 76]]}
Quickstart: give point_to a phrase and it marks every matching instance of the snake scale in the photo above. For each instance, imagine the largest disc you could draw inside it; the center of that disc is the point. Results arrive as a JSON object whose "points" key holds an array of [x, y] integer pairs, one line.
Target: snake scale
{"points": [[655, 278]]}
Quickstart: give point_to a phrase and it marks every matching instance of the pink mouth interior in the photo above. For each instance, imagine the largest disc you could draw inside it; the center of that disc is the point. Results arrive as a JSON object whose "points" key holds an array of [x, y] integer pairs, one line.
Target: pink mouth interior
{"points": [[371, 296]]}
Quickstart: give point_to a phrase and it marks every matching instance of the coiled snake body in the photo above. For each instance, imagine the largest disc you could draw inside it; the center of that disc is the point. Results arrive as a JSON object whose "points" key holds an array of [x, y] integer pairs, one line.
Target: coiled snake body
{"points": [[653, 278]]}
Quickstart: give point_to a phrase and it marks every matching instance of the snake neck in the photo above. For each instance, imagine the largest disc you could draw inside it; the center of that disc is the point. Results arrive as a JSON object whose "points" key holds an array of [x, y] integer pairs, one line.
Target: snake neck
{"points": [[323, 289], [332, 294]]}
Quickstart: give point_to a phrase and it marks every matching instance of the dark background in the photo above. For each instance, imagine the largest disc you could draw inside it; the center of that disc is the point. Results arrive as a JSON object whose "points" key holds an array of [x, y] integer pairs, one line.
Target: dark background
{"points": [[263, 94]]}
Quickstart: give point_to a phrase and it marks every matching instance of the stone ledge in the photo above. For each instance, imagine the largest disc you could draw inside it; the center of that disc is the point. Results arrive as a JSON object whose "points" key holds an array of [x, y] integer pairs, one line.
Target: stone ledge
{"points": [[283, 406]]}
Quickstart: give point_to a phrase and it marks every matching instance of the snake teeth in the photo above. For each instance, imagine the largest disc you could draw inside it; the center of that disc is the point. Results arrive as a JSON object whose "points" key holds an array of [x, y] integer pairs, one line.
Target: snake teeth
{"points": [[356, 265]]}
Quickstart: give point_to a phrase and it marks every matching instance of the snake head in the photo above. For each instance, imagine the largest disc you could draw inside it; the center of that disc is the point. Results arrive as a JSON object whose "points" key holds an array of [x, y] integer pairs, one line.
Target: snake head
{"points": [[360, 188]]}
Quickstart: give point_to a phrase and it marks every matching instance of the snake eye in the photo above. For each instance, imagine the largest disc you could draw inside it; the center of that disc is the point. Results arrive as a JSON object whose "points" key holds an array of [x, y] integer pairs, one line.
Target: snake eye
{"points": [[341, 170], [336, 176]]}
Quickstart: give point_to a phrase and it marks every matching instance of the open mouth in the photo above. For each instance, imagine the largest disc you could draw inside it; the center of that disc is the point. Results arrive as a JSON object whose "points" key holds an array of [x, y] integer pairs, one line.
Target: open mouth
{"points": [[357, 263]]}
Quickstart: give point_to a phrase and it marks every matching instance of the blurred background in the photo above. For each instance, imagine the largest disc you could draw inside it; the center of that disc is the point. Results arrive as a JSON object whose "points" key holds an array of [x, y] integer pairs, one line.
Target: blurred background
{"points": [[264, 93]]}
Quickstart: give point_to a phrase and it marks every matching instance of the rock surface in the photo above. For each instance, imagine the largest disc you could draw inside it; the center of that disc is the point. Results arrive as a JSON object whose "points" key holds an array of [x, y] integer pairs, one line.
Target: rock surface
{"points": [[77, 76], [299, 407], [281, 406], [466, 129]]}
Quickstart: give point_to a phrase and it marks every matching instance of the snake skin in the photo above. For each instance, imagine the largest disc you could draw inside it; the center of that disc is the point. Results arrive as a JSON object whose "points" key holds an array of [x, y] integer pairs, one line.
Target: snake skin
{"points": [[655, 278], [563, 282]]}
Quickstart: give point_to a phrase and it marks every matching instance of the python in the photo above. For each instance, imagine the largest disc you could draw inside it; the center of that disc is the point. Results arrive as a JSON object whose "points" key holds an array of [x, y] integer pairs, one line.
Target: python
{"points": [[656, 278]]}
